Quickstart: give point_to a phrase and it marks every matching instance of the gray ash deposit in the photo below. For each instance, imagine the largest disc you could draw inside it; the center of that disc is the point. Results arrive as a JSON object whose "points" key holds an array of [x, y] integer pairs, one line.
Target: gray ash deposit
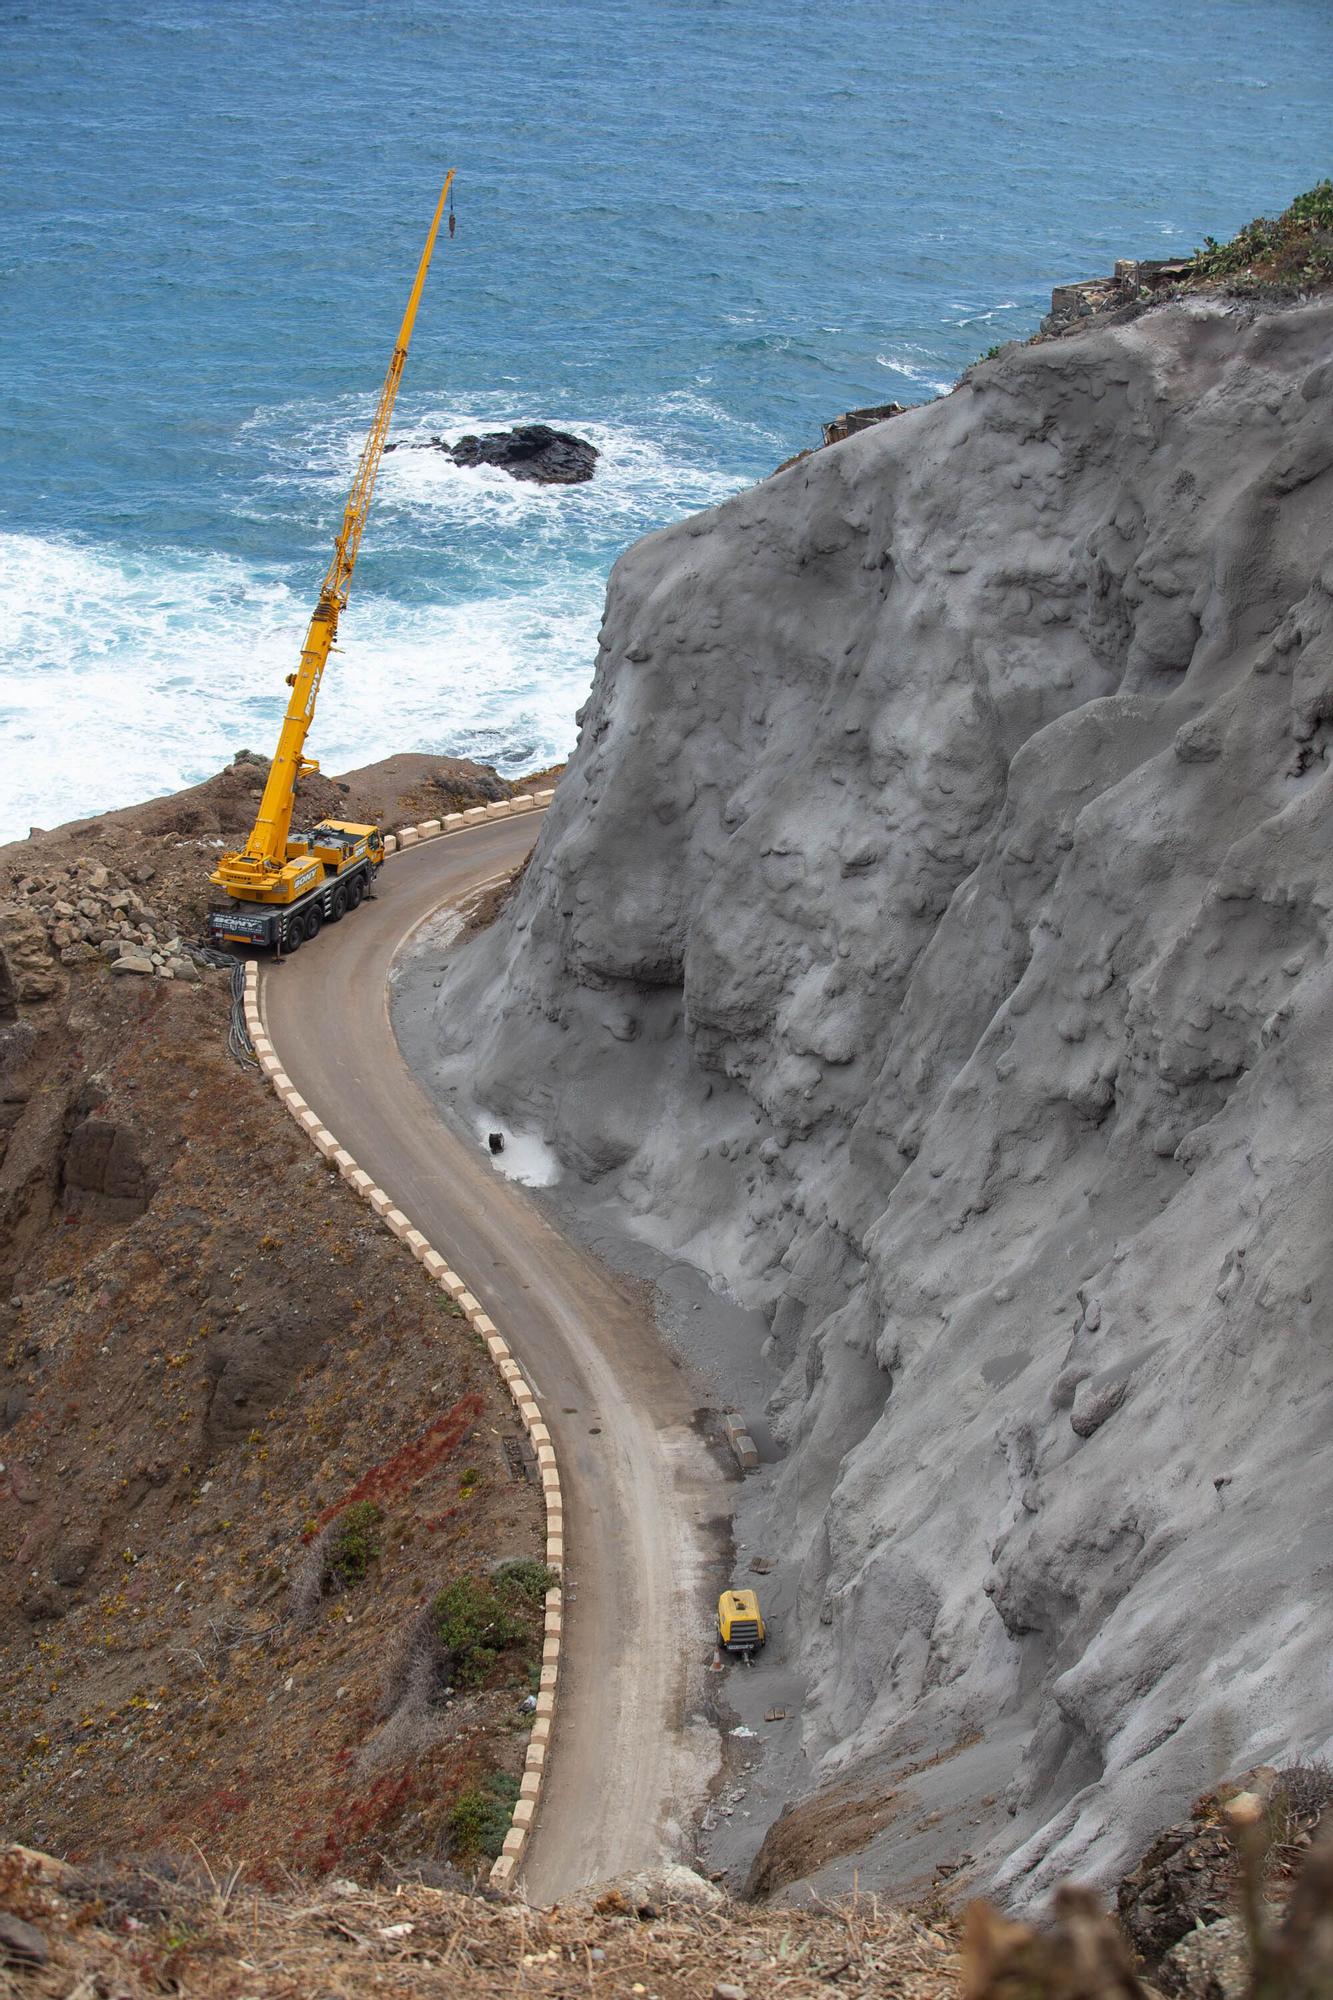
{"points": [[929, 940]]}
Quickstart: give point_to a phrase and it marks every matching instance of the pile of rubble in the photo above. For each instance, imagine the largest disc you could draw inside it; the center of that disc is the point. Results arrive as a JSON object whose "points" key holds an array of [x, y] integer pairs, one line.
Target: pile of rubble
{"points": [[81, 911]]}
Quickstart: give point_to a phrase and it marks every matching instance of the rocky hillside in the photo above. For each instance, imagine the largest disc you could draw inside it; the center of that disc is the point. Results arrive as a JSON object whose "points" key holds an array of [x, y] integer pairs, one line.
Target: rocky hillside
{"points": [[930, 940], [255, 1469]]}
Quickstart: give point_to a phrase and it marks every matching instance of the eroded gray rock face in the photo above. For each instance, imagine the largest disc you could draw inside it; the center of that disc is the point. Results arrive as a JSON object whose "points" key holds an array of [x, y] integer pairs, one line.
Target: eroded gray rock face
{"points": [[930, 938]]}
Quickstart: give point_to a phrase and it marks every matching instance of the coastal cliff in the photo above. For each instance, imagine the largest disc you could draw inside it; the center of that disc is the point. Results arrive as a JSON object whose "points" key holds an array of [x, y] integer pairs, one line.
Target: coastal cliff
{"points": [[929, 940]]}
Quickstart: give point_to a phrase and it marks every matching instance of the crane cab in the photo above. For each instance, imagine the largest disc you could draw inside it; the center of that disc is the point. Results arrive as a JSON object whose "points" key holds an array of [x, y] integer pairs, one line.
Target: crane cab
{"points": [[740, 1627]]}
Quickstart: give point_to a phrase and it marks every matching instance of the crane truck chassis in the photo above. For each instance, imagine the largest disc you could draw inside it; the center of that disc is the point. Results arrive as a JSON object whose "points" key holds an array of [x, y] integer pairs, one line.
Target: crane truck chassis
{"points": [[285, 928], [283, 887]]}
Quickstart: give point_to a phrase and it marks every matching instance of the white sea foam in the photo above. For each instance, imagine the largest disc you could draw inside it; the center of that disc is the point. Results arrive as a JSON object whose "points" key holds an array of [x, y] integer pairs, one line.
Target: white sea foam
{"points": [[123, 676], [122, 679], [916, 371]]}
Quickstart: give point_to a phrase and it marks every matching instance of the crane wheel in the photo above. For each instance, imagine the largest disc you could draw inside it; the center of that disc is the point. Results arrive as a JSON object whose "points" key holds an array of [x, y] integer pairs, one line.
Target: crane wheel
{"points": [[339, 907], [356, 890], [314, 922], [293, 934]]}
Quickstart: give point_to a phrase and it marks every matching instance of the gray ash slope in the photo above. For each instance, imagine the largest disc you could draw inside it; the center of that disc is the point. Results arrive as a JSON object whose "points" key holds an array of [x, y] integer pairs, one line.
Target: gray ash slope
{"points": [[930, 940]]}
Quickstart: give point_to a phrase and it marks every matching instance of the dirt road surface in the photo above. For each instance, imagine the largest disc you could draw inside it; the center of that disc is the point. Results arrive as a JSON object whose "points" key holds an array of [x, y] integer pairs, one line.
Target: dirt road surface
{"points": [[631, 1754]]}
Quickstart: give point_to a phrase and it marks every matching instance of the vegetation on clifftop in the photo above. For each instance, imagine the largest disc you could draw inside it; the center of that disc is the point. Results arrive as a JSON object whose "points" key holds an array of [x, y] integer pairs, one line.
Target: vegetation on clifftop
{"points": [[1294, 248]]}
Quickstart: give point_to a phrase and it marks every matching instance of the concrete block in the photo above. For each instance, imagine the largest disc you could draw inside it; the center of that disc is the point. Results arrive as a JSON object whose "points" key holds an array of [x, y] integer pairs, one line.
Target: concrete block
{"points": [[742, 1444], [550, 1649], [379, 1201], [513, 1840], [746, 1451], [546, 1456], [535, 1757], [281, 1082], [468, 1303], [519, 1390], [451, 1282], [433, 1264], [397, 1222], [360, 1183], [342, 1160], [499, 809], [541, 1730], [547, 1677], [555, 1552], [309, 1119], [550, 1479], [530, 1414], [530, 1784], [418, 1245], [483, 1324], [537, 1430], [502, 1871], [428, 828], [544, 798], [408, 836], [452, 822], [390, 844], [545, 1704], [474, 815], [325, 1141], [523, 802], [498, 1350], [524, 1812]]}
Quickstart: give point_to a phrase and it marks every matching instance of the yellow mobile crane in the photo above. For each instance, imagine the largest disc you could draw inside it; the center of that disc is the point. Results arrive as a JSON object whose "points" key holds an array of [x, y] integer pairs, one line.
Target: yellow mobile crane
{"points": [[285, 885]]}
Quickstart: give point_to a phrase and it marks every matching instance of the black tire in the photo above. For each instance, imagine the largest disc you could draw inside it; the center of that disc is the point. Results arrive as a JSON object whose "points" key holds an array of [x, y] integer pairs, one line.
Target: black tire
{"points": [[313, 921], [293, 934], [339, 907], [356, 890]]}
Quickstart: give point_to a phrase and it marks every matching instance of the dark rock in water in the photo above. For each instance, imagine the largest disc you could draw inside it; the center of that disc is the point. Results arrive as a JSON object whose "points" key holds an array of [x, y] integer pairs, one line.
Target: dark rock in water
{"points": [[530, 451]]}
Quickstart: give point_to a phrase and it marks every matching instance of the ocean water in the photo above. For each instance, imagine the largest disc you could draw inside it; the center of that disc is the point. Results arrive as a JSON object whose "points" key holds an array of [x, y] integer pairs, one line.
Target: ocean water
{"points": [[690, 230]]}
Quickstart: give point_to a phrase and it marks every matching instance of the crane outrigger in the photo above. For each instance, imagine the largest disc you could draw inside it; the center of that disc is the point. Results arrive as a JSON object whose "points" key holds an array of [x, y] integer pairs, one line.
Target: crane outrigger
{"points": [[284, 886]]}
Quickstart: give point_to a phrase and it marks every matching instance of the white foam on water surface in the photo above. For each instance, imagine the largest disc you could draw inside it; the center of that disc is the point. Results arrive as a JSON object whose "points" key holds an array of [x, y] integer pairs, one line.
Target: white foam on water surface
{"points": [[471, 629], [924, 375], [122, 678]]}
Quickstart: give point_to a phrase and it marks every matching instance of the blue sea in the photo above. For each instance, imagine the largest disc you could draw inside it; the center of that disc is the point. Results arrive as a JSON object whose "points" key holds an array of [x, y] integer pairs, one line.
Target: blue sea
{"points": [[689, 230]]}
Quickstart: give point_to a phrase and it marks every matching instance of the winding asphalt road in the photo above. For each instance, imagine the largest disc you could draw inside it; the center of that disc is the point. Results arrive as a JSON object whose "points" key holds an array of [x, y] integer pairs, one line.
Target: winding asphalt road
{"points": [[627, 1769]]}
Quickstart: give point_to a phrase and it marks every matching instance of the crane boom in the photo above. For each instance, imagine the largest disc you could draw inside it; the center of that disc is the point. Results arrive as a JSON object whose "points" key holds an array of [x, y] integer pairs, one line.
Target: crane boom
{"points": [[272, 867]]}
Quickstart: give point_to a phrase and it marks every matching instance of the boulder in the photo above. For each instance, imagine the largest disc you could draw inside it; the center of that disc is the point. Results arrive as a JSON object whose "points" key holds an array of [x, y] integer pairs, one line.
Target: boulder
{"points": [[103, 1162], [529, 451], [27, 971]]}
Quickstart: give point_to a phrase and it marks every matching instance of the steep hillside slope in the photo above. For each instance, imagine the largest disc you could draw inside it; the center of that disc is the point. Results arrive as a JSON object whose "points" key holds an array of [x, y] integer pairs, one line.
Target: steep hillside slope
{"points": [[245, 1444], [929, 939]]}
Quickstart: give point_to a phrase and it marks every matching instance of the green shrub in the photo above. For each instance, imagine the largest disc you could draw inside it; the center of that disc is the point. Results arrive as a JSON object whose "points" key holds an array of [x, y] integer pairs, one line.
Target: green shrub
{"points": [[473, 1625], [479, 1817], [353, 1545], [1295, 247], [527, 1576]]}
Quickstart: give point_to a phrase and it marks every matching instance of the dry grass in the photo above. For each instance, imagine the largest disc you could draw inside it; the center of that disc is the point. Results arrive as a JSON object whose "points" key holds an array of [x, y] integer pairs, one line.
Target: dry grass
{"points": [[213, 1937]]}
